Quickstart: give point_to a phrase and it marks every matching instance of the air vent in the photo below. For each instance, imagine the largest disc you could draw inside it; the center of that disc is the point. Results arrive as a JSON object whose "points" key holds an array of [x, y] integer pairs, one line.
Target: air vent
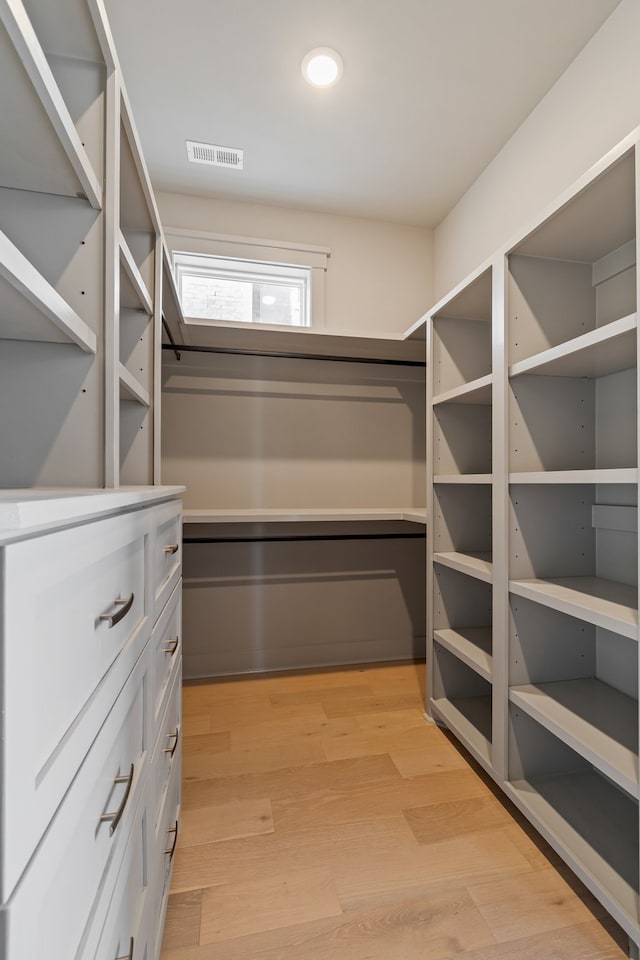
{"points": [[215, 156]]}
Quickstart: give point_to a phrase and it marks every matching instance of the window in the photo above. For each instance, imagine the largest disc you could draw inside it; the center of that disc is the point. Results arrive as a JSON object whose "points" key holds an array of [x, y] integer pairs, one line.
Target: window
{"points": [[243, 291], [224, 279]]}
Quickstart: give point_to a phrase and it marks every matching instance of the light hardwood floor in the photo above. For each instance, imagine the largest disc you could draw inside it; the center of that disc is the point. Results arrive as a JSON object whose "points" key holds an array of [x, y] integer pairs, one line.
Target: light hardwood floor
{"points": [[323, 817]]}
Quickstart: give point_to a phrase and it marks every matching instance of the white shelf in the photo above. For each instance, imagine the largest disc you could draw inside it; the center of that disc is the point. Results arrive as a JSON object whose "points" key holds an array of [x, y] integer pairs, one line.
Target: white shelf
{"points": [[45, 152], [32, 309], [171, 306], [305, 515], [310, 343], [604, 603], [602, 351], [133, 290], [472, 645], [594, 827], [463, 478], [598, 722], [476, 392], [476, 565], [469, 718], [131, 389], [622, 475]]}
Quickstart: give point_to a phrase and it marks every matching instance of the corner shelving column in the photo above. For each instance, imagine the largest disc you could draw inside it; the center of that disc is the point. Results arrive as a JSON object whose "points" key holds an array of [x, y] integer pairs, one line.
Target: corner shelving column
{"points": [[573, 540], [460, 635], [134, 294]]}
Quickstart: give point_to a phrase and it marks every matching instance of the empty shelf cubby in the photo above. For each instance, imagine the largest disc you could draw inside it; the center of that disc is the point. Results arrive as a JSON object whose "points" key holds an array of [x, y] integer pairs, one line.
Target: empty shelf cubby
{"points": [[461, 439], [586, 817], [580, 682], [461, 347], [565, 280], [461, 530], [463, 699], [576, 555], [575, 422], [462, 618]]}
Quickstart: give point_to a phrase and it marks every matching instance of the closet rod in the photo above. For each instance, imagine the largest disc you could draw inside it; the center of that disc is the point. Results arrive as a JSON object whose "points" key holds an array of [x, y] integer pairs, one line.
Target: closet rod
{"points": [[289, 355], [338, 536], [172, 344]]}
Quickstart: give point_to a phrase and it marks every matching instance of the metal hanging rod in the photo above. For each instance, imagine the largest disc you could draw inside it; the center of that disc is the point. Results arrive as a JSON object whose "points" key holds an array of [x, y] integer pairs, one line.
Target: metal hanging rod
{"points": [[308, 537], [291, 355], [172, 344]]}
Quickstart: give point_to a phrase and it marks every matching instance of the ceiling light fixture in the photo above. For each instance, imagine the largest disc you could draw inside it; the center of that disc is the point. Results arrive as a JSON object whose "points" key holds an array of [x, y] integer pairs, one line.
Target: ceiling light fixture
{"points": [[322, 67]]}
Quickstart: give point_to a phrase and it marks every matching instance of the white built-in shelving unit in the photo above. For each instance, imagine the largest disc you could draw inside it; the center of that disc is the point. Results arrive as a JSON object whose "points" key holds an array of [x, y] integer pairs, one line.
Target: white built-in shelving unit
{"points": [[532, 506], [86, 532]]}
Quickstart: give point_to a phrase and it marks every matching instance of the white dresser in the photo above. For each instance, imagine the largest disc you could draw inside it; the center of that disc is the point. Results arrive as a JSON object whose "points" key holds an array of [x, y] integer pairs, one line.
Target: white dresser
{"points": [[90, 711]]}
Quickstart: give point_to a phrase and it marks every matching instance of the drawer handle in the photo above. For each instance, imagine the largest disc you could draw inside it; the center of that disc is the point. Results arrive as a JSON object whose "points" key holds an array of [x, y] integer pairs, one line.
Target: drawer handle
{"points": [[129, 956], [172, 646], [114, 818], [114, 618], [176, 738], [172, 849], [171, 548]]}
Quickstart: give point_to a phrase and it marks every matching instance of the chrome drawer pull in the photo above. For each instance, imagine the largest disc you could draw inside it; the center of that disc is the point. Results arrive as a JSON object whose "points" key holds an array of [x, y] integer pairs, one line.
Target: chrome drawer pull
{"points": [[129, 956], [172, 646], [176, 738], [172, 849], [114, 818], [171, 548], [113, 618]]}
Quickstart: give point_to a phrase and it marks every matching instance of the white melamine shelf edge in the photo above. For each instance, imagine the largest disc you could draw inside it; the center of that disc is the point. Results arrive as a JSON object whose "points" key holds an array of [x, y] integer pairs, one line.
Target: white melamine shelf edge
{"points": [[604, 603], [47, 92], [302, 515], [135, 277], [591, 798], [598, 722], [476, 565], [27, 281], [172, 310], [622, 475], [417, 330], [614, 338], [476, 391], [132, 389], [455, 715], [479, 478], [327, 342], [471, 645]]}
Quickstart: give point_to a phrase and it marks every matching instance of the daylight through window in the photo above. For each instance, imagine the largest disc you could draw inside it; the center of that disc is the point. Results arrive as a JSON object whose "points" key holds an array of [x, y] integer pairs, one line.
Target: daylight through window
{"points": [[224, 289]]}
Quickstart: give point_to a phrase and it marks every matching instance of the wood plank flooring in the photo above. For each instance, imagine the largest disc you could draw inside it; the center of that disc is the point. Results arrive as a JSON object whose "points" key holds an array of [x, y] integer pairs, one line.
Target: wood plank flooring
{"points": [[323, 817]]}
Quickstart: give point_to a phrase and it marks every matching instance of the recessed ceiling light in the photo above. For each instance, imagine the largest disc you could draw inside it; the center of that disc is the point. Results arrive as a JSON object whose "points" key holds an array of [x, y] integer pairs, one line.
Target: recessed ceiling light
{"points": [[322, 67]]}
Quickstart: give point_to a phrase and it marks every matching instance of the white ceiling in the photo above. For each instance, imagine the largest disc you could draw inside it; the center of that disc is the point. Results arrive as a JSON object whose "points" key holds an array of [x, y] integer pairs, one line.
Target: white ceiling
{"points": [[431, 91]]}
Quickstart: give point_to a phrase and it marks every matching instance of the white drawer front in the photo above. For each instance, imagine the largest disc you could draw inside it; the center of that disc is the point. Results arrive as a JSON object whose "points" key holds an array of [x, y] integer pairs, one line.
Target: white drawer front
{"points": [[124, 933], [62, 664], [164, 843], [167, 551], [53, 904], [166, 651], [167, 753]]}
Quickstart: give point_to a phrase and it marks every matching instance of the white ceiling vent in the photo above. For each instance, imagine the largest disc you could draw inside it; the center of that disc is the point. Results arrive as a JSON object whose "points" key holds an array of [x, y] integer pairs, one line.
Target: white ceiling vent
{"points": [[215, 156]]}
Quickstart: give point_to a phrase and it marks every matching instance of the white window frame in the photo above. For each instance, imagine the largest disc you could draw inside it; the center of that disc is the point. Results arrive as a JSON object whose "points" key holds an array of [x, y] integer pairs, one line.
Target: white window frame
{"points": [[253, 250]]}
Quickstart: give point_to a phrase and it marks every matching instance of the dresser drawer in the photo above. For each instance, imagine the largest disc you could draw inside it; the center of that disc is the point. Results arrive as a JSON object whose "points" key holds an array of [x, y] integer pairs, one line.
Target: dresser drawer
{"points": [[68, 645], [167, 753], [164, 843], [53, 904], [124, 901], [165, 652], [167, 551]]}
